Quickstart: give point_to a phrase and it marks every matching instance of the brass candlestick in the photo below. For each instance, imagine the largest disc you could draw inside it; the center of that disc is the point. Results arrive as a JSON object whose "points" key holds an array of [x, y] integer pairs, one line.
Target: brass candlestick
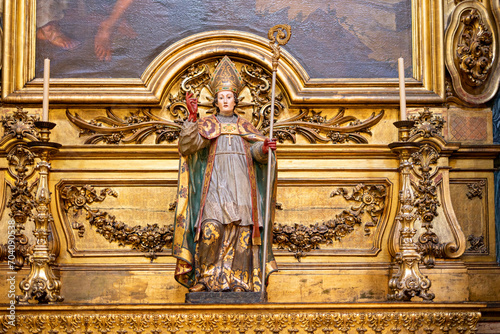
{"points": [[41, 284], [408, 281]]}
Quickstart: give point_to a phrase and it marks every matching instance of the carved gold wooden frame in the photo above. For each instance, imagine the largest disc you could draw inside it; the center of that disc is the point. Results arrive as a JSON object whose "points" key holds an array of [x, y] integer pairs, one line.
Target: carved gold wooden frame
{"points": [[19, 84]]}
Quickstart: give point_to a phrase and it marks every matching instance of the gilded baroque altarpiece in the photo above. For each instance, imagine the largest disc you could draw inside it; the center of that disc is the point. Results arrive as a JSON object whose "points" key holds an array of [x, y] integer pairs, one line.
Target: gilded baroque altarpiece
{"points": [[381, 226]]}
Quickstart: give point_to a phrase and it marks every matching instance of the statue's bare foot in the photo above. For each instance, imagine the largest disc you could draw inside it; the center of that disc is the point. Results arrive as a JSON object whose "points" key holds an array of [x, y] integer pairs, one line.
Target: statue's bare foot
{"points": [[53, 34], [239, 289], [197, 288]]}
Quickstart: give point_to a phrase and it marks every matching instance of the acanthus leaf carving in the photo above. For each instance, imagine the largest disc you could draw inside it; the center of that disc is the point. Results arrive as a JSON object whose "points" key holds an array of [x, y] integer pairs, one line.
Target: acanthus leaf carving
{"points": [[471, 52], [134, 128], [431, 179], [474, 53], [426, 203], [316, 128], [427, 125], [19, 125], [275, 321], [371, 199], [138, 126]]}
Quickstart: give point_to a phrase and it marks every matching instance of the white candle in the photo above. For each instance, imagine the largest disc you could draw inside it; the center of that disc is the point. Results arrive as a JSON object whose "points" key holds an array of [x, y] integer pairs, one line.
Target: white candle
{"points": [[402, 93], [45, 104]]}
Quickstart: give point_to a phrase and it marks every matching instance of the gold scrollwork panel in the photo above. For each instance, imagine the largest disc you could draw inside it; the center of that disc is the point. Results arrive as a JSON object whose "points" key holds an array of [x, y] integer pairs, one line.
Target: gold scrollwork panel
{"points": [[103, 218], [470, 200], [303, 125], [131, 218], [472, 52], [329, 217]]}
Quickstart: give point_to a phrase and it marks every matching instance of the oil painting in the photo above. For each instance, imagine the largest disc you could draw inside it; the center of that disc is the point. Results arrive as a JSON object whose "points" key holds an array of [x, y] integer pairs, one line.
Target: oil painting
{"points": [[120, 38]]}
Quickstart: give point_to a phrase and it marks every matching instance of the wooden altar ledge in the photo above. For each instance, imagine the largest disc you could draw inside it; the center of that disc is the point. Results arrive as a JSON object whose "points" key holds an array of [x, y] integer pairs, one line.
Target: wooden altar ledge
{"points": [[355, 318]]}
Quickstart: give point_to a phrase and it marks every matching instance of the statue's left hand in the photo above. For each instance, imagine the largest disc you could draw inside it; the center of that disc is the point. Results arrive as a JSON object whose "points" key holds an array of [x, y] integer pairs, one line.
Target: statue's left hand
{"points": [[269, 144]]}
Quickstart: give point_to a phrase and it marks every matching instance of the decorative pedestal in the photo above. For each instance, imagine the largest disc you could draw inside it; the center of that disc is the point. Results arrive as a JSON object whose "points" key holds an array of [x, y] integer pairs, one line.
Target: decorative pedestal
{"points": [[41, 283], [224, 298]]}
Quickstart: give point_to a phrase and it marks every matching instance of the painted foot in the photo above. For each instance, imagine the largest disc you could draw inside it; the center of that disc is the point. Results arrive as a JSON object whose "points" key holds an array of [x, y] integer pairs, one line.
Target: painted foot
{"points": [[53, 34]]}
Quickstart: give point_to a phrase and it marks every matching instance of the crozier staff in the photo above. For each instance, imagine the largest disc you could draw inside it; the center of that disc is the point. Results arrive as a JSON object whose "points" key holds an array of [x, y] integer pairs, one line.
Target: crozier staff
{"points": [[220, 200]]}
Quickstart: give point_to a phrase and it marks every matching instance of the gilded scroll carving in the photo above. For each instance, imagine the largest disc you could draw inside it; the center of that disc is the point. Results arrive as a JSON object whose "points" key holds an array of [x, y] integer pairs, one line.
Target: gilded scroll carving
{"points": [[19, 126], [250, 321], [428, 132], [301, 239], [21, 162], [150, 239], [426, 203], [427, 125], [371, 199], [477, 244], [21, 203], [471, 52], [369, 205], [255, 101], [135, 128], [431, 187], [476, 189], [474, 52], [316, 128]]}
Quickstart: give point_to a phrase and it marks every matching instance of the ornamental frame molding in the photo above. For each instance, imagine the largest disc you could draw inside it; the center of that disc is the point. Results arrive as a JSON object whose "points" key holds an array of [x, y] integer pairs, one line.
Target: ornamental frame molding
{"points": [[427, 84], [267, 318]]}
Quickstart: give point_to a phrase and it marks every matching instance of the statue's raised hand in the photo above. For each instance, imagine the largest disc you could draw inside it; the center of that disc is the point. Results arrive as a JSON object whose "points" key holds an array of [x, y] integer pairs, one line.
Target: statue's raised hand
{"points": [[192, 106]]}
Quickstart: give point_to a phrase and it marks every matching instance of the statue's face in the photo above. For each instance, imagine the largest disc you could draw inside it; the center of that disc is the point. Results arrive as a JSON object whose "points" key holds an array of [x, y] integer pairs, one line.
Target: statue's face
{"points": [[225, 102]]}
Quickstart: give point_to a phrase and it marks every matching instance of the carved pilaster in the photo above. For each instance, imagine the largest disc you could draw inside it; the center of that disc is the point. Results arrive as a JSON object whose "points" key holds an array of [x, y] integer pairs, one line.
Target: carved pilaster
{"points": [[432, 188], [19, 127], [20, 203]]}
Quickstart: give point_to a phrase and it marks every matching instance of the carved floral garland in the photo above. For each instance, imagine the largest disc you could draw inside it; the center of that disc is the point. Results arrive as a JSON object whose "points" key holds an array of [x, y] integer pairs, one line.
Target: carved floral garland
{"points": [[301, 239], [298, 238], [150, 239]]}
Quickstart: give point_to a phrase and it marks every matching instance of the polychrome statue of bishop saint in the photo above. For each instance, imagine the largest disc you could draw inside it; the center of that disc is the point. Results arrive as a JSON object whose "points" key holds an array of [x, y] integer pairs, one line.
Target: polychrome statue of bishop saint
{"points": [[219, 221]]}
